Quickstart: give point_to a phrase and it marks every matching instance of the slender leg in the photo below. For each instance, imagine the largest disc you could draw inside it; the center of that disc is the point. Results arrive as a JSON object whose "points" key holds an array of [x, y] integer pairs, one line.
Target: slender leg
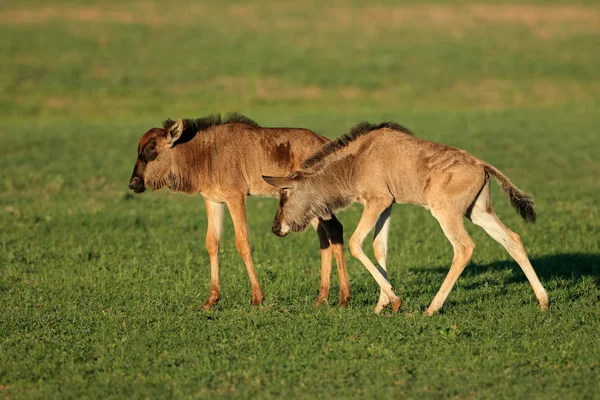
{"points": [[237, 209], [369, 217], [326, 254], [335, 233], [484, 216], [380, 247], [454, 229], [213, 238]]}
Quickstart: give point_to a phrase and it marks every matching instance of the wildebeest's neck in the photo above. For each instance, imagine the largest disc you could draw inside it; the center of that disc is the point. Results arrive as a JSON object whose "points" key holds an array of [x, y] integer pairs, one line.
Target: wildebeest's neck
{"points": [[192, 164], [331, 188]]}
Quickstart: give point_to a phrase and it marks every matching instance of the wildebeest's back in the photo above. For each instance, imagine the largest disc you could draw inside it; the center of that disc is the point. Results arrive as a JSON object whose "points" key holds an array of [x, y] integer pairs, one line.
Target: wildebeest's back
{"points": [[408, 166], [247, 153]]}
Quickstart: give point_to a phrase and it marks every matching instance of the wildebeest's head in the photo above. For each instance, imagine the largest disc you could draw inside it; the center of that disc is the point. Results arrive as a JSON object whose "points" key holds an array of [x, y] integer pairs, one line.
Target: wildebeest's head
{"points": [[297, 206], [153, 163]]}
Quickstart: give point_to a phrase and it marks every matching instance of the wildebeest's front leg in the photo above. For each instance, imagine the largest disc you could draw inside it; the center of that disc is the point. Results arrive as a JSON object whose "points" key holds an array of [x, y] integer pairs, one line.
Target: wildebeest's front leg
{"points": [[237, 208], [371, 213], [326, 254], [380, 247], [214, 212], [335, 234]]}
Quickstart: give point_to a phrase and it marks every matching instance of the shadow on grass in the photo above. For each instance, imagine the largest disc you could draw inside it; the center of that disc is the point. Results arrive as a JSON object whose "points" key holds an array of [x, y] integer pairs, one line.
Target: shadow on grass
{"points": [[569, 267], [564, 266]]}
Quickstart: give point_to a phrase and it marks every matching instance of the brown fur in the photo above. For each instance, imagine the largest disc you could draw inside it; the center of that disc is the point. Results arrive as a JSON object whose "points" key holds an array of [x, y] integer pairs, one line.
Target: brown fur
{"points": [[223, 159], [362, 128], [385, 165]]}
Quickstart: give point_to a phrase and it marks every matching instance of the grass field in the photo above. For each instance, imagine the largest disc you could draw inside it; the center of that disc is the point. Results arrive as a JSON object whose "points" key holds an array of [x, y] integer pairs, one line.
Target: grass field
{"points": [[100, 289]]}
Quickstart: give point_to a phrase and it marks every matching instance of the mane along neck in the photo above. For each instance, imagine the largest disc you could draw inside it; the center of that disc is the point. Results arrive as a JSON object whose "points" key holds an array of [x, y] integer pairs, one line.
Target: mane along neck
{"points": [[191, 126], [329, 150]]}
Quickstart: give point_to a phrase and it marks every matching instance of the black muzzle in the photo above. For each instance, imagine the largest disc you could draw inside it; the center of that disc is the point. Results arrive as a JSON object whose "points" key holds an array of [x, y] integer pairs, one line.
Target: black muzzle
{"points": [[137, 184]]}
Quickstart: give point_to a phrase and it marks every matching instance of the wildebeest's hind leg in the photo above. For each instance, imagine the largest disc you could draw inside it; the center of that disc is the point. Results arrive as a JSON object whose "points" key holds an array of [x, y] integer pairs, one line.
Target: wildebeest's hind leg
{"points": [[380, 247], [214, 212], [326, 256], [335, 233], [237, 209], [483, 215], [370, 215], [451, 222]]}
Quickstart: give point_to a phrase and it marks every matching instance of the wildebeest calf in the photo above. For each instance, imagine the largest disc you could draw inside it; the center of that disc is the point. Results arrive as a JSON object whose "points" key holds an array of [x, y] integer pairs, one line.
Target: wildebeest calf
{"points": [[223, 160], [378, 165]]}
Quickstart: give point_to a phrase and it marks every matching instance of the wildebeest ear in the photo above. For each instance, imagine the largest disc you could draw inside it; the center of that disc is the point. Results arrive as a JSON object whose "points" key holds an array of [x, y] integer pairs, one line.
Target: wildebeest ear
{"points": [[175, 132], [282, 182]]}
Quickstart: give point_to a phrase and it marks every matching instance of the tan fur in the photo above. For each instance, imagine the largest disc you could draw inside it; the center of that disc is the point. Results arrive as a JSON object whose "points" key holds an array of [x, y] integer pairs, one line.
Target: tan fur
{"points": [[224, 163], [384, 166]]}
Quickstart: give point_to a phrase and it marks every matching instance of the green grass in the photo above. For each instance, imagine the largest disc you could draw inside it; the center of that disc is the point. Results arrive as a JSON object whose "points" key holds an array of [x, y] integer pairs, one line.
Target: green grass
{"points": [[100, 290]]}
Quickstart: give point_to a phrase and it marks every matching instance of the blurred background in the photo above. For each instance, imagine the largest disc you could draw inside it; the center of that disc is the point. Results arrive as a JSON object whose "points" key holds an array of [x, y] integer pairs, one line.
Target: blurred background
{"points": [[96, 75], [111, 60], [515, 83]]}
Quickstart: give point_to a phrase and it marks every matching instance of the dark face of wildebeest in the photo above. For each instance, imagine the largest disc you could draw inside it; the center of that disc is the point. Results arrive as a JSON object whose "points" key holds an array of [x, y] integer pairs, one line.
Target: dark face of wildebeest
{"points": [[154, 158], [296, 204]]}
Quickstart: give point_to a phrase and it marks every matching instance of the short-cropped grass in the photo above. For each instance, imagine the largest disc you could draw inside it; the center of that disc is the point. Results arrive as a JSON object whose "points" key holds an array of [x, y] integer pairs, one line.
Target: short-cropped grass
{"points": [[100, 289]]}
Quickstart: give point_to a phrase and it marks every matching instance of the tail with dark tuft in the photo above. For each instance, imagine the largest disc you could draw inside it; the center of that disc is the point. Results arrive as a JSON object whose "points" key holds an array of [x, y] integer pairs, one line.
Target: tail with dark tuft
{"points": [[521, 201]]}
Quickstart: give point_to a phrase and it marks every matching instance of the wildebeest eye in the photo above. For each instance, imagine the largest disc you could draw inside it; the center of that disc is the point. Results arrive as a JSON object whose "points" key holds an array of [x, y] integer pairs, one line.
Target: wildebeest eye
{"points": [[149, 153], [282, 197]]}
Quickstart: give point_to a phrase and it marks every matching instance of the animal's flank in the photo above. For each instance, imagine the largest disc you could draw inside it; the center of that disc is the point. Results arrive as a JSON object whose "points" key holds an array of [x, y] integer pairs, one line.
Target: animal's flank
{"points": [[520, 201], [281, 154], [358, 130]]}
